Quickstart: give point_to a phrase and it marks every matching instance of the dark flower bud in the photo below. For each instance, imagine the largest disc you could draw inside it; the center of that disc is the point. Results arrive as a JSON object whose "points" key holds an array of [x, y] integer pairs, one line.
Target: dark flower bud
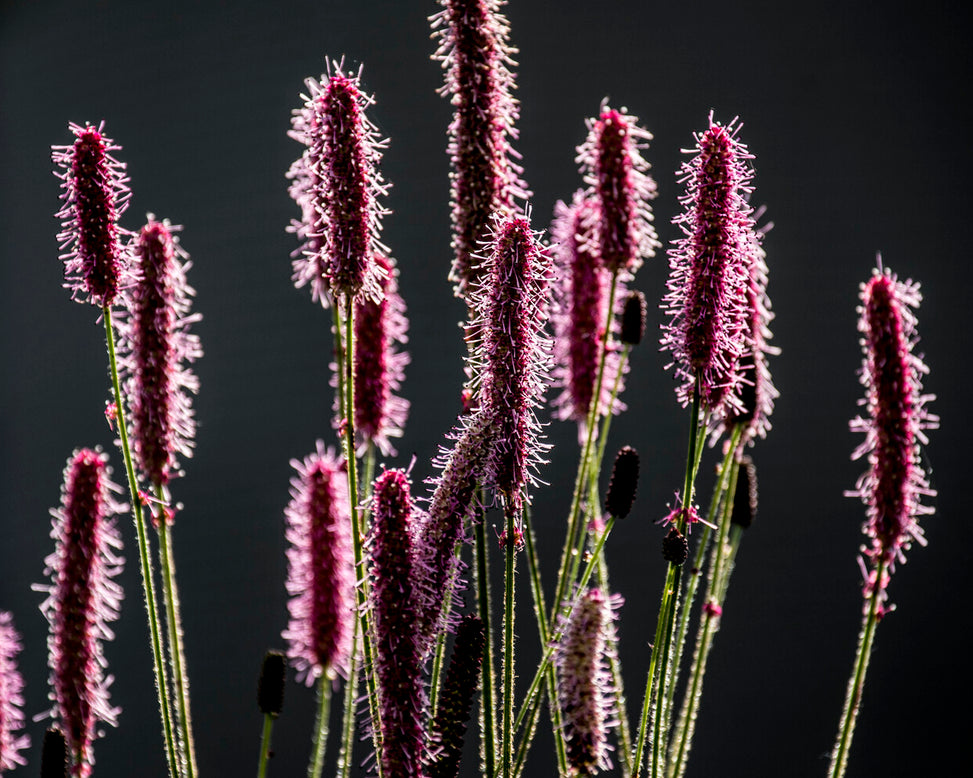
{"points": [[270, 687], [633, 319], [675, 547], [54, 755], [621, 488], [745, 497]]}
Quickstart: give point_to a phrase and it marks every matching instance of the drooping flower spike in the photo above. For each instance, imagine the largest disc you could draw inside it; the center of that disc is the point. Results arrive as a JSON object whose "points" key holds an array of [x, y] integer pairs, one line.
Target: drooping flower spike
{"points": [[12, 741], [710, 270], [83, 599], [95, 194], [320, 580], [617, 177], [157, 349], [485, 177], [895, 483]]}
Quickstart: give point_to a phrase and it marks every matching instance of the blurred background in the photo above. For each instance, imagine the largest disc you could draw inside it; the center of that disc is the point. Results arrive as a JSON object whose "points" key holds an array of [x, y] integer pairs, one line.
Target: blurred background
{"points": [[858, 118]]}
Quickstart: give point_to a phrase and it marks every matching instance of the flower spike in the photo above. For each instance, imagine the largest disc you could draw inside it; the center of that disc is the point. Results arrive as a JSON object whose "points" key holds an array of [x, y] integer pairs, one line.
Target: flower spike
{"points": [[11, 697]]}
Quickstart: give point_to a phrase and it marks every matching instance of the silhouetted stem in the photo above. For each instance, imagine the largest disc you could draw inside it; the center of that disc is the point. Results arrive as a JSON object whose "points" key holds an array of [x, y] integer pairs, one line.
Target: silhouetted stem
{"points": [[267, 731]]}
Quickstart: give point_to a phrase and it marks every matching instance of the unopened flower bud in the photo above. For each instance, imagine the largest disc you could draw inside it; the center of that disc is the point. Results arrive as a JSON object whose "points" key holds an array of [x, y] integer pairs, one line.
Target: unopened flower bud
{"points": [[633, 319], [270, 687], [624, 480]]}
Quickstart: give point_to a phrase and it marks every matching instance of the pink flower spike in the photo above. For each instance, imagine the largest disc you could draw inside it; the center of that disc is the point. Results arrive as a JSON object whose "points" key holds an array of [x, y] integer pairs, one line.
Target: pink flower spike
{"points": [[321, 578], [485, 179], [710, 265], [893, 486], [618, 179], [157, 349], [11, 697], [95, 195], [82, 600]]}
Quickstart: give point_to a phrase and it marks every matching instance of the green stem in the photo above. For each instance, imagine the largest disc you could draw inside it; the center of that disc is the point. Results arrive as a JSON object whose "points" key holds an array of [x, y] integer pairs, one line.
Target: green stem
{"points": [[488, 724], [440, 653], [320, 742], [510, 569], [345, 753], [268, 729]]}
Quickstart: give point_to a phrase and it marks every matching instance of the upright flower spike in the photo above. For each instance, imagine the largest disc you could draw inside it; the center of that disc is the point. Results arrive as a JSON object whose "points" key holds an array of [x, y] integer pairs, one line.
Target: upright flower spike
{"points": [[321, 580], [95, 195], [485, 178], [82, 600], [585, 691], [398, 653], [581, 307], [710, 268], [893, 486], [12, 742], [158, 348], [618, 179]]}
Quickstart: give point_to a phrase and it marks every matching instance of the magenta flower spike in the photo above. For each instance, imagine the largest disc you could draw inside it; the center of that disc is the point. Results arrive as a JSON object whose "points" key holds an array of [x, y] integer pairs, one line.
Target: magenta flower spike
{"points": [[380, 329], [12, 742], [618, 179], [398, 653], [95, 195], [157, 349], [710, 270], [485, 178], [895, 483], [82, 601], [337, 185], [585, 689], [580, 309], [320, 580]]}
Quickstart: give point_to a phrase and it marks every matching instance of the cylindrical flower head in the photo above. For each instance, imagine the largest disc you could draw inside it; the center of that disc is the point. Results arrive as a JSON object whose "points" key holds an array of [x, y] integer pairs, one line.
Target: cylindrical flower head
{"points": [[581, 306], [624, 481], [380, 329], [82, 600], [341, 178], [617, 177], [585, 689], [398, 655], [308, 259], [710, 268], [745, 496], [893, 486], [321, 578], [485, 178], [12, 741], [270, 685], [632, 329], [158, 348], [95, 195]]}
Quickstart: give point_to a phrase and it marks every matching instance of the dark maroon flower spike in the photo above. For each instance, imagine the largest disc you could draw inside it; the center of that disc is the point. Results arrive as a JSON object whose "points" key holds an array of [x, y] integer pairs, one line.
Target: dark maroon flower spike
{"points": [[745, 497], [632, 328], [270, 685], [12, 742], [624, 481]]}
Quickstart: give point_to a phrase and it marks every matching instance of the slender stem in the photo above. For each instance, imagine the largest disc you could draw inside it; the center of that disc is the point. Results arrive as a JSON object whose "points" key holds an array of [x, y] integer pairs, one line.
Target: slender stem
{"points": [[145, 559], [320, 741], [268, 729], [856, 683], [440, 653], [345, 754], [488, 724], [510, 569]]}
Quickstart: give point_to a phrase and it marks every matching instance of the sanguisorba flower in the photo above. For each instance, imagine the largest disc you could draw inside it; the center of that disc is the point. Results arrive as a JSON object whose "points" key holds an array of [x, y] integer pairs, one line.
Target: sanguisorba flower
{"points": [[82, 600], [321, 579], [158, 349], [12, 741], [95, 195], [710, 270], [895, 483], [485, 178]]}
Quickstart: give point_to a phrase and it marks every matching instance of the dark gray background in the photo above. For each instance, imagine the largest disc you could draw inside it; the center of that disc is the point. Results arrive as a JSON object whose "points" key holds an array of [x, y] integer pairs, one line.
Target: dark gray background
{"points": [[859, 118]]}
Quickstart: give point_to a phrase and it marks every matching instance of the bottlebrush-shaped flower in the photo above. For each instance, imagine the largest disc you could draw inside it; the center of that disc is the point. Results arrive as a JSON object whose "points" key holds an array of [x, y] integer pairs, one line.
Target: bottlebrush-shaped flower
{"points": [[618, 179], [11, 697], [321, 578], [157, 348], [581, 306], [95, 195], [585, 689], [893, 486], [380, 328], [398, 653], [485, 177], [710, 268], [338, 187], [82, 600]]}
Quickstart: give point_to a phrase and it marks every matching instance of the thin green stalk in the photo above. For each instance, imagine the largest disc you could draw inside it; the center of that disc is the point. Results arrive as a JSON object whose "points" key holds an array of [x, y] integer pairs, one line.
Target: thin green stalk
{"points": [[488, 723], [509, 592], [320, 741], [268, 729], [856, 683], [440, 653], [145, 558], [345, 753]]}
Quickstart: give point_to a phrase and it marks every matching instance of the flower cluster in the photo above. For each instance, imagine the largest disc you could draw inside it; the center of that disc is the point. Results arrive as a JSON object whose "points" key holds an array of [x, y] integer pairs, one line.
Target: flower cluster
{"points": [[11, 697]]}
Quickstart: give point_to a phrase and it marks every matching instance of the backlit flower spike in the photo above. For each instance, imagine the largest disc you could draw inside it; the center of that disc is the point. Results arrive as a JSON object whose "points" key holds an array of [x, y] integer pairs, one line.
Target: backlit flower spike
{"points": [[340, 176], [398, 649], [82, 600], [896, 418], [710, 269], [485, 177], [321, 578], [617, 177], [307, 260], [157, 349], [381, 329], [586, 693], [12, 741], [578, 315], [95, 194]]}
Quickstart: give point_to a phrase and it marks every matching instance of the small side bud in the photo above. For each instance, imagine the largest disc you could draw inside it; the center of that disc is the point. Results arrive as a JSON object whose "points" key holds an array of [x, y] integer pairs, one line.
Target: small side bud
{"points": [[633, 319], [270, 687], [624, 480], [54, 755], [675, 547], [745, 497]]}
